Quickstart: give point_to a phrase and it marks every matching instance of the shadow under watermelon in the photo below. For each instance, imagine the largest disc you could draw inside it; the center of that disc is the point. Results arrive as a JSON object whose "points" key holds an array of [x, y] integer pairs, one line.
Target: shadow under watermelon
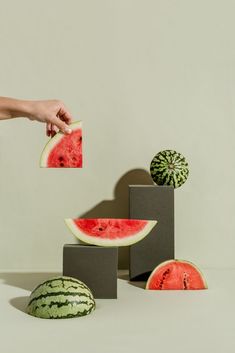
{"points": [[20, 303]]}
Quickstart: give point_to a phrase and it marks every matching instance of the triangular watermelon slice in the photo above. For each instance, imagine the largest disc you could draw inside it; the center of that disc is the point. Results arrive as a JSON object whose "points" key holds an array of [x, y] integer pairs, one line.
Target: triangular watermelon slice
{"points": [[64, 151], [176, 275], [110, 231]]}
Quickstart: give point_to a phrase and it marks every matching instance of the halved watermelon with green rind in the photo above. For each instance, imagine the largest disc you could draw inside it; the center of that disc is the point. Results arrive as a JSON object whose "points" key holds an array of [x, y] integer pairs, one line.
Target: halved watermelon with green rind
{"points": [[61, 297], [64, 151], [176, 275], [110, 231]]}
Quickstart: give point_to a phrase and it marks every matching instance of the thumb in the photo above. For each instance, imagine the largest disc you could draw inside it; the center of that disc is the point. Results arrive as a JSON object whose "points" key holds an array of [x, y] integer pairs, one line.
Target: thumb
{"points": [[62, 126]]}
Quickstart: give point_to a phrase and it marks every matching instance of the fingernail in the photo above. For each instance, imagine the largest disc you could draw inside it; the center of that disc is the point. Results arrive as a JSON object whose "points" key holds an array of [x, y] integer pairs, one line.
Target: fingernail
{"points": [[68, 131]]}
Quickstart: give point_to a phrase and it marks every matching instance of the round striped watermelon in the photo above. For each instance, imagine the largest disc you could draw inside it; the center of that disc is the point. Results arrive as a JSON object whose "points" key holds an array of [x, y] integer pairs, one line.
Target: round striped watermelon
{"points": [[176, 274], [110, 231], [169, 168], [60, 298], [64, 151]]}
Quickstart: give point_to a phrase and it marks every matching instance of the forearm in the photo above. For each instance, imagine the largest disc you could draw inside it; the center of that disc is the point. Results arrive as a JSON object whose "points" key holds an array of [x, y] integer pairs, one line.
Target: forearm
{"points": [[13, 108]]}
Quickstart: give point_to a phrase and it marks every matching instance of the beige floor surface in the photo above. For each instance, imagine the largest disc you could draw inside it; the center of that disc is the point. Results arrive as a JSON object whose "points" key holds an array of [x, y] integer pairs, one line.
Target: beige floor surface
{"points": [[139, 320]]}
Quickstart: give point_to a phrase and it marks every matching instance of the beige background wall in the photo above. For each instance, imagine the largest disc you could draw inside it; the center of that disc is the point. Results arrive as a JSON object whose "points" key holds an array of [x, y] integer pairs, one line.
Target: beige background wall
{"points": [[143, 76]]}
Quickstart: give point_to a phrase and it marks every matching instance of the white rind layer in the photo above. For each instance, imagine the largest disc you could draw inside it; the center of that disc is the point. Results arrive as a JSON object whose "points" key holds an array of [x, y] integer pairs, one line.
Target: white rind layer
{"points": [[110, 242], [175, 260], [54, 141]]}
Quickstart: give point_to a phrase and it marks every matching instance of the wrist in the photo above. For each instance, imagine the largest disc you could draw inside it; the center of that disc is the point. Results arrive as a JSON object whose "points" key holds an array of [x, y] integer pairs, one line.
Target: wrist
{"points": [[14, 108], [23, 108]]}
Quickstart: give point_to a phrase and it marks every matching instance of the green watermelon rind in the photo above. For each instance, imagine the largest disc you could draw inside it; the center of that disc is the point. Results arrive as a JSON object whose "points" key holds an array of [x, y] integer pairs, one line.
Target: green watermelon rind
{"points": [[54, 141], [129, 240], [160, 172], [58, 302], [164, 263]]}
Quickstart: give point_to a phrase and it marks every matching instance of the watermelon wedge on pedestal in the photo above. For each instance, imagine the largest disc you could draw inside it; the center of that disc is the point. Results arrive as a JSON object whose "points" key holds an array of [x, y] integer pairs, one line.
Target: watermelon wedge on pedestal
{"points": [[64, 151], [176, 274], [110, 231]]}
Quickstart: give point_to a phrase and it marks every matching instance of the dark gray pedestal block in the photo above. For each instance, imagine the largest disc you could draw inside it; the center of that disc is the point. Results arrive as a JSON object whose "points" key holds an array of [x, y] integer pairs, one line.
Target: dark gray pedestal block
{"points": [[93, 265], [152, 202]]}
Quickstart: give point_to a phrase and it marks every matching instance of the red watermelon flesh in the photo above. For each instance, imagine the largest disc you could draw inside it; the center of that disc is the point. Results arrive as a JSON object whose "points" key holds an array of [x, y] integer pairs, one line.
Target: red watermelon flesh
{"points": [[114, 228], [64, 151], [176, 274], [68, 152], [110, 231]]}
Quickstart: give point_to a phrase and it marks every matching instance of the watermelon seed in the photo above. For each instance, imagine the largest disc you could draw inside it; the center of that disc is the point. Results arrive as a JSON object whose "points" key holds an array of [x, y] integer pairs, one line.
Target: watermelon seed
{"points": [[62, 164], [61, 158], [165, 273], [185, 281]]}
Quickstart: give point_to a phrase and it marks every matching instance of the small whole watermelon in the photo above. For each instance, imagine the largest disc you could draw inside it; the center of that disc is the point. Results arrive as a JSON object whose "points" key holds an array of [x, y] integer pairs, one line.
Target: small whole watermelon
{"points": [[169, 168], [60, 298]]}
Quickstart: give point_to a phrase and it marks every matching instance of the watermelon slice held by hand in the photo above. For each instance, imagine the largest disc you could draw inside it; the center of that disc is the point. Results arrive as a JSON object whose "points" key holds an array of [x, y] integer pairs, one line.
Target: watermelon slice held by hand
{"points": [[110, 231], [176, 274], [64, 151]]}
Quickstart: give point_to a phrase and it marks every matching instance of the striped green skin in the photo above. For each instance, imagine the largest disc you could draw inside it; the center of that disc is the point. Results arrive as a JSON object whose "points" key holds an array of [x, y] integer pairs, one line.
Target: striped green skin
{"points": [[169, 168], [59, 298]]}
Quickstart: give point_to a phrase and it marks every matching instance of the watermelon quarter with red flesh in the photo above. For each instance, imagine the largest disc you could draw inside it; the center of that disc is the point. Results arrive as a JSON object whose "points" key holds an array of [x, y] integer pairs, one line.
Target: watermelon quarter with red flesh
{"points": [[110, 231], [176, 274], [64, 151]]}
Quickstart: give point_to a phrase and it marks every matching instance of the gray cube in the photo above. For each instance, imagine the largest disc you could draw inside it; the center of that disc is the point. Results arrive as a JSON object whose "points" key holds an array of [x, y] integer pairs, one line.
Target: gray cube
{"points": [[152, 202], [96, 266]]}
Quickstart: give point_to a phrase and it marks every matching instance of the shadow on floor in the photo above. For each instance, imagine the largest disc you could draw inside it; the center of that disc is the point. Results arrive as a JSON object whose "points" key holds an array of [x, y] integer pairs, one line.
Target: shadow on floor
{"points": [[118, 207], [20, 303], [140, 281], [25, 280], [140, 285], [123, 274]]}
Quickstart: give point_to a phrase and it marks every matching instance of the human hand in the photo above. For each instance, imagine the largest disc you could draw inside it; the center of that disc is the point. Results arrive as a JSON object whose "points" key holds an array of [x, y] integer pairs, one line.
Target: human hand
{"points": [[53, 113]]}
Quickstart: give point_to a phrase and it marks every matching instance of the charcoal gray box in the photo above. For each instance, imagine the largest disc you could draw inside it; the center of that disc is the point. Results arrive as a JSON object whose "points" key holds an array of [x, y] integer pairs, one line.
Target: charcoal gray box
{"points": [[152, 202], [96, 266]]}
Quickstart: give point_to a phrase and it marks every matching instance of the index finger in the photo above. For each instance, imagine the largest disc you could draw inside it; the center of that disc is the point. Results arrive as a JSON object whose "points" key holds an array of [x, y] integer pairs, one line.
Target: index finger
{"points": [[65, 115]]}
